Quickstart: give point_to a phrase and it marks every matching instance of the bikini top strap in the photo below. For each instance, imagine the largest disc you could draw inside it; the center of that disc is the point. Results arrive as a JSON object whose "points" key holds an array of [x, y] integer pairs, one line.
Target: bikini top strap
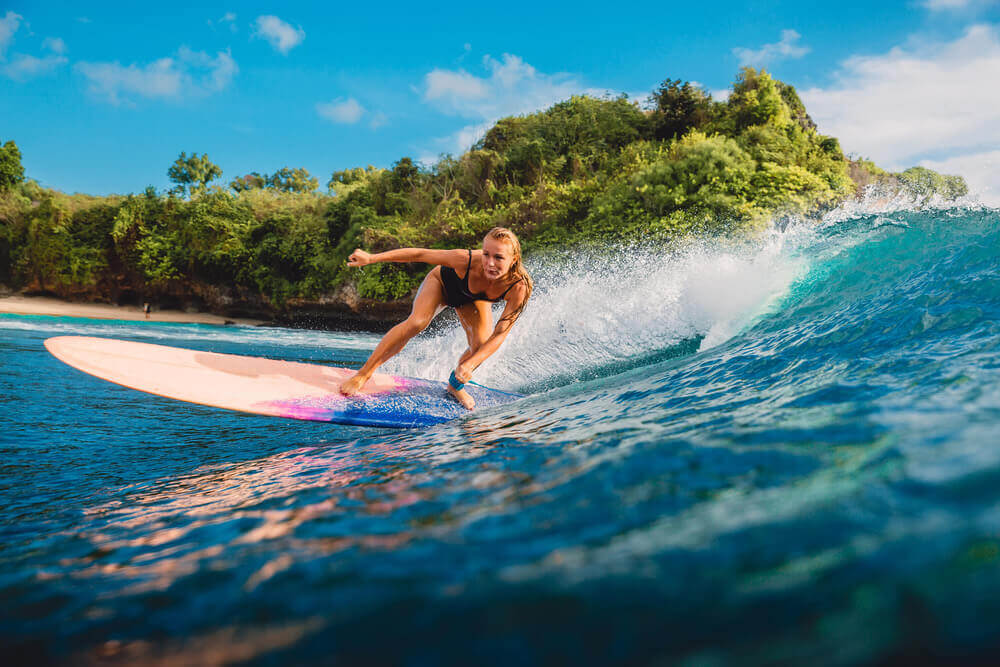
{"points": [[509, 288], [468, 268]]}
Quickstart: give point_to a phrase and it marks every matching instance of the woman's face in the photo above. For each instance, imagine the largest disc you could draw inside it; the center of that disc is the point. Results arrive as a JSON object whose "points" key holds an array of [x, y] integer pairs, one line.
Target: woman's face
{"points": [[498, 255]]}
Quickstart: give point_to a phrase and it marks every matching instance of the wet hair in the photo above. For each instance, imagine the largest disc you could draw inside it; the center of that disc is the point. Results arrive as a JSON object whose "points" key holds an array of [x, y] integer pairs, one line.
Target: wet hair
{"points": [[516, 267]]}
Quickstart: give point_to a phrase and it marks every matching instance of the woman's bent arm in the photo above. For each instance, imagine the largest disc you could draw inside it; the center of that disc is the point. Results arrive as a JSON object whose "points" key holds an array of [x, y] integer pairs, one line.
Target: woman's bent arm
{"points": [[464, 371], [456, 259]]}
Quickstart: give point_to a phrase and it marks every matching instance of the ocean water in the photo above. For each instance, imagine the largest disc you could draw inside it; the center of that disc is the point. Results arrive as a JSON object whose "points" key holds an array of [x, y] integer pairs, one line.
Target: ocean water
{"points": [[785, 450]]}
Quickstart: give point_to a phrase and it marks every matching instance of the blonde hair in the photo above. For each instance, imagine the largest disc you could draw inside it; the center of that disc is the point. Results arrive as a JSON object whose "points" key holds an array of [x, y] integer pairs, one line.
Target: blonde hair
{"points": [[516, 267]]}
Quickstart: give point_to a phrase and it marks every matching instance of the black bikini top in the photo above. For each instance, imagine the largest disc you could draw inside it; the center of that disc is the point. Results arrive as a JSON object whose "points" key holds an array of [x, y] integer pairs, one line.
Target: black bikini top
{"points": [[457, 291]]}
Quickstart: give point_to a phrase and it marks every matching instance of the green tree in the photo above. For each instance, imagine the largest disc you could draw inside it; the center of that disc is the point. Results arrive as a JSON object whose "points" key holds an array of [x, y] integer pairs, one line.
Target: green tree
{"points": [[926, 183], [292, 180], [679, 108], [795, 106], [193, 174], [788, 189], [472, 177], [569, 140], [404, 175], [11, 170], [757, 100], [251, 181], [704, 172], [393, 190], [213, 235], [352, 176], [147, 240], [46, 242]]}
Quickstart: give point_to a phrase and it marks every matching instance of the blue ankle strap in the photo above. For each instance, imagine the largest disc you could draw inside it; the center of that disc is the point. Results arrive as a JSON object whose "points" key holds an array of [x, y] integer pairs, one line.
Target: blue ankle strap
{"points": [[455, 384]]}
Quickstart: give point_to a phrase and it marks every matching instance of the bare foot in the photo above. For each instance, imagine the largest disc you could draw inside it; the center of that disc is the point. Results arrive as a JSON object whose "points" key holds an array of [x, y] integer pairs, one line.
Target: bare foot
{"points": [[353, 385], [462, 397]]}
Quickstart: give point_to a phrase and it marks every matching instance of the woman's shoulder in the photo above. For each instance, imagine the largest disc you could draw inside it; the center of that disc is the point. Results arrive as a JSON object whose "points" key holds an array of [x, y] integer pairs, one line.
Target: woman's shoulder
{"points": [[517, 289]]}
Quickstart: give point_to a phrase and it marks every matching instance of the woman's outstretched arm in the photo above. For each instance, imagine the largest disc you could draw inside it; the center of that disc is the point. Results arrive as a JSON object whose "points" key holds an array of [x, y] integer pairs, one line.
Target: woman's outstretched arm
{"points": [[456, 259]]}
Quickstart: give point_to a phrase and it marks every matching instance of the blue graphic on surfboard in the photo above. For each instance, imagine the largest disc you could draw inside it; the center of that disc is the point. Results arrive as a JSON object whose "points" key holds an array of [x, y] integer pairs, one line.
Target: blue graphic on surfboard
{"points": [[289, 389]]}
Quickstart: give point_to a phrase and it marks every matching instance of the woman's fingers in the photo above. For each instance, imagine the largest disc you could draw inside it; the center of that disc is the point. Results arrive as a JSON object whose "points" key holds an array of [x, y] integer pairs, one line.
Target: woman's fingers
{"points": [[358, 258]]}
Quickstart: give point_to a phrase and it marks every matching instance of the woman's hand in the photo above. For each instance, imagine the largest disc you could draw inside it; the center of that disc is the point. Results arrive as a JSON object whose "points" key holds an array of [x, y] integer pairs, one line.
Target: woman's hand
{"points": [[359, 258], [464, 373]]}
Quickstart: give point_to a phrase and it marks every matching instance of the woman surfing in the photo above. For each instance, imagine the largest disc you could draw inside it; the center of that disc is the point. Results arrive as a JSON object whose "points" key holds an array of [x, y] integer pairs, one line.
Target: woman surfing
{"points": [[468, 281]]}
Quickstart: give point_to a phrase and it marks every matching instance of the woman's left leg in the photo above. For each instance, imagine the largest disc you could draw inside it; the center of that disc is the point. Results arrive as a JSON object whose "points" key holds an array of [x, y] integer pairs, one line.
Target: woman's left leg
{"points": [[428, 303], [477, 321]]}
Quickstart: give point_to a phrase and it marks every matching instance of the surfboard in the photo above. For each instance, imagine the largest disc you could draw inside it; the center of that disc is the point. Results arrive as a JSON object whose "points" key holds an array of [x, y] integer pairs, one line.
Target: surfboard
{"points": [[262, 386]]}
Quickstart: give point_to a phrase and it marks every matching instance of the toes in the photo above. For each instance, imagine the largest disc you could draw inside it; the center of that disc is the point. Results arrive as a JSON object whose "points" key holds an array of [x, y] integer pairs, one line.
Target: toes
{"points": [[351, 386], [463, 398]]}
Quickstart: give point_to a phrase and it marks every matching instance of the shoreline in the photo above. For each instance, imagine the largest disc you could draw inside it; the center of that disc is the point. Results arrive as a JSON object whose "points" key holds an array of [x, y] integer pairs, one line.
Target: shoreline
{"points": [[43, 305]]}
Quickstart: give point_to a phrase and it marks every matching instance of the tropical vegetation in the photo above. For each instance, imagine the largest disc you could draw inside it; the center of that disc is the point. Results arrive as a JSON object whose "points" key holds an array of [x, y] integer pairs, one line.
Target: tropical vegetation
{"points": [[585, 170]]}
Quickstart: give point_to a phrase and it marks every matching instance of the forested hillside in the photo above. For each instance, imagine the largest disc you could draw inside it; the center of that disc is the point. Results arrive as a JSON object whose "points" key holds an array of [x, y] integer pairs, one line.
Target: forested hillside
{"points": [[583, 171]]}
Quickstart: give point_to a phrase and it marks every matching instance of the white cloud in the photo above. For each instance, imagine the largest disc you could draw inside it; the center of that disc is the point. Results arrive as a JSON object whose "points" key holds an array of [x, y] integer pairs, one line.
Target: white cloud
{"points": [[350, 112], [788, 47], [55, 45], [346, 112], [8, 26], [510, 87], [190, 74], [947, 5], [281, 36], [378, 120], [228, 19], [442, 84], [938, 101], [470, 134], [216, 73], [720, 95], [160, 78], [24, 66]]}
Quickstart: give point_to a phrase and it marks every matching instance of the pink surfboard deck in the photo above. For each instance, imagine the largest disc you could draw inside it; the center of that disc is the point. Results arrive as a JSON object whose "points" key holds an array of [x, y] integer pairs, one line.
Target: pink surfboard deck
{"points": [[263, 386]]}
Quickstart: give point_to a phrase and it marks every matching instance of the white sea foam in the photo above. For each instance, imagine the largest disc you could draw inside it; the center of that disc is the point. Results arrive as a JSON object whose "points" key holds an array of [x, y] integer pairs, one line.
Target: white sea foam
{"points": [[591, 310], [886, 201], [173, 334]]}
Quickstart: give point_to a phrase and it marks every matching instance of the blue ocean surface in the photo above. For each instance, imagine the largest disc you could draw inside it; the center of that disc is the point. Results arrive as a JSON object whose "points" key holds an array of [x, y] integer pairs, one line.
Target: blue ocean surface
{"points": [[785, 450]]}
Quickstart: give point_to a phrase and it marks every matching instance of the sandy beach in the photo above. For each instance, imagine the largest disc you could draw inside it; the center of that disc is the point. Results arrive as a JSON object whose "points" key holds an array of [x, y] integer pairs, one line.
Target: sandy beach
{"points": [[38, 305]]}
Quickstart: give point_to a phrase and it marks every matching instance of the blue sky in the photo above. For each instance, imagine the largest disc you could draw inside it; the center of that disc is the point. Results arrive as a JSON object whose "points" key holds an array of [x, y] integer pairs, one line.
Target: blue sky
{"points": [[102, 98]]}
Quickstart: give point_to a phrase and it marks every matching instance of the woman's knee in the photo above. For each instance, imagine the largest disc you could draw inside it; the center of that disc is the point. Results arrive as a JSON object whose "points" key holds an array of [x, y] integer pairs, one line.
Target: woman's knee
{"points": [[477, 340], [477, 324], [414, 324]]}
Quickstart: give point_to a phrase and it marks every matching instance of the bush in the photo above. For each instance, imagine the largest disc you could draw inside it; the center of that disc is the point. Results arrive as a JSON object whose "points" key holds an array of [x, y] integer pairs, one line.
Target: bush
{"points": [[569, 140], [926, 183], [386, 281], [708, 172]]}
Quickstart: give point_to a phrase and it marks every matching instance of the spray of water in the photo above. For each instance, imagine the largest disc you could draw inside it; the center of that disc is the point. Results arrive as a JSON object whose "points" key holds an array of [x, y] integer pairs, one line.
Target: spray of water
{"points": [[598, 312], [883, 200], [595, 313]]}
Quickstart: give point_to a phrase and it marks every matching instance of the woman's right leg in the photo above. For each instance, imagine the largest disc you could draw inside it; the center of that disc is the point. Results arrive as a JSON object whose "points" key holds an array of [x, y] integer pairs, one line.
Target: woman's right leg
{"points": [[429, 302]]}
